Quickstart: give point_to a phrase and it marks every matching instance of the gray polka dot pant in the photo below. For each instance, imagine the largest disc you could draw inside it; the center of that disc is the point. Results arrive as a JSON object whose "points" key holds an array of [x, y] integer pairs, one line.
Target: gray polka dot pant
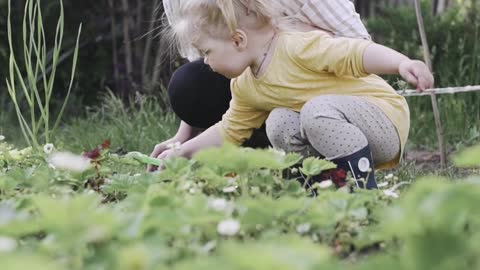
{"points": [[334, 126]]}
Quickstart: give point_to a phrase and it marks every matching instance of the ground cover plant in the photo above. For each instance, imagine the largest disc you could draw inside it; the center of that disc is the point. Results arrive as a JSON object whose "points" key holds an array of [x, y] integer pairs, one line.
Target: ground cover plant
{"points": [[227, 207]]}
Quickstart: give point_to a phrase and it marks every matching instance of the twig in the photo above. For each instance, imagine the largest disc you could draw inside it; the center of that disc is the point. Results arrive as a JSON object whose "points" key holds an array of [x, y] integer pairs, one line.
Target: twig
{"points": [[436, 111], [440, 91]]}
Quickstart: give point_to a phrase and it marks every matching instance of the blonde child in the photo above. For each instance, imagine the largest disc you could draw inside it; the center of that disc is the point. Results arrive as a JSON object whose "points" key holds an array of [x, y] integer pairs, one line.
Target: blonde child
{"points": [[316, 93], [199, 97]]}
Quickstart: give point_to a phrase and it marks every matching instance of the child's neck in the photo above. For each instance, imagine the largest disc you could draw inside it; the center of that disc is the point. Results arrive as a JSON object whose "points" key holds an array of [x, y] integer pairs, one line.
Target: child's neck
{"points": [[262, 46]]}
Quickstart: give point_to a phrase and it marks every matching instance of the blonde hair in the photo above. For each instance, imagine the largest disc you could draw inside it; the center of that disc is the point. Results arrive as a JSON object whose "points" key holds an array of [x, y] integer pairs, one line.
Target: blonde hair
{"points": [[217, 19]]}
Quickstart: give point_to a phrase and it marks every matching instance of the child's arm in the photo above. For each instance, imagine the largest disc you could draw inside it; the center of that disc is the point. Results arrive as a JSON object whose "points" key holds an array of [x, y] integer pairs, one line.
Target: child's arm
{"points": [[378, 59], [184, 133]]}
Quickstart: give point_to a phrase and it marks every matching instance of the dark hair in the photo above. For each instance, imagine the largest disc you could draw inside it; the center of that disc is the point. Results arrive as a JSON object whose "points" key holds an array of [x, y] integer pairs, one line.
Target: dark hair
{"points": [[198, 95]]}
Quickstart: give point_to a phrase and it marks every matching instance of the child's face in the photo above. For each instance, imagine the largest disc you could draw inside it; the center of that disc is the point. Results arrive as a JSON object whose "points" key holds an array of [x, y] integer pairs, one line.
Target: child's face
{"points": [[223, 56]]}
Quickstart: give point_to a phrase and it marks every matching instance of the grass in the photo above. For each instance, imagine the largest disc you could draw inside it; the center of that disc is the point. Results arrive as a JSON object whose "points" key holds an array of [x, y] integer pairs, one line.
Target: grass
{"points": [[137, 126]]}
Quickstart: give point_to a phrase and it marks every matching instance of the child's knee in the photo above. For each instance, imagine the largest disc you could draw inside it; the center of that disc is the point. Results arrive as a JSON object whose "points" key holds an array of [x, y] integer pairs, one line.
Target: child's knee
{"points": [[281, 124], [315, 110]]}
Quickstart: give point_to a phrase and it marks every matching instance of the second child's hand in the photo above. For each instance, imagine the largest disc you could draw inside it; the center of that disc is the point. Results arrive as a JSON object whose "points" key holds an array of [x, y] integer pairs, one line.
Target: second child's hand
{"points": [[417, 74]]}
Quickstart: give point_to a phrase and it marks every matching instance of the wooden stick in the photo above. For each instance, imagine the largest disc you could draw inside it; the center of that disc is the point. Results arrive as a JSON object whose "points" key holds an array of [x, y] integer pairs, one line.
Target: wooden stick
{"points": [[436, 111], [440, 91]]}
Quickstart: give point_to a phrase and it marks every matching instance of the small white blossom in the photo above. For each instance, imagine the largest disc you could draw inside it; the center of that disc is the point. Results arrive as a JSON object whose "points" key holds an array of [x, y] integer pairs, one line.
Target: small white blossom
{"points": [[390, 193], [294, 170], [187, 185], [174, 146], [219, 204], [389, 176], [383, 184], [303, 228], [7, 244], [228, 227], [229, 189], [232, 180], [2, 138], [108, 181], [70, 162], [208, 247], [48, 148], [325, 184], [137, 175], [192, 191]]}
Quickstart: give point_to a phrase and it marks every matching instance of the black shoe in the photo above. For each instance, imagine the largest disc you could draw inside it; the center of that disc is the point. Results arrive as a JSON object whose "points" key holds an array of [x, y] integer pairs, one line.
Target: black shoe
{"points": [[360, 164]]}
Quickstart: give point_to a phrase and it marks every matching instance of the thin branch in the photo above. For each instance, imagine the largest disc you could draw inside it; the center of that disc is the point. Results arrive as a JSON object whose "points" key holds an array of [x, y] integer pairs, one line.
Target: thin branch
{"points": [[440, 91], [436, 111]]}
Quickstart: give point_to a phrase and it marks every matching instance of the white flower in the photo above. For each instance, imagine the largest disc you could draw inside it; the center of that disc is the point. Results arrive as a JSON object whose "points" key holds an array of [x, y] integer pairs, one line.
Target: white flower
{"points": [[232, 180], [303, 228], [218, 204], [187, 185], [174, 146], [192, 191], [208, 247], [2, 138], [325, 184], [108, 181], [70, 162], [137, 175], [294, 170], [390, 193], [383, 184], [7, 244], [228, 227], [389, 176], [229, 189], [48, 148]]}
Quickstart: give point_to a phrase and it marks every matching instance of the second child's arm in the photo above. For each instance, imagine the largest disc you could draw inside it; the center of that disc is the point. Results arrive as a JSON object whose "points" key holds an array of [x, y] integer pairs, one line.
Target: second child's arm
{"points": [[378, 59], [184, 133], [209, 138]]}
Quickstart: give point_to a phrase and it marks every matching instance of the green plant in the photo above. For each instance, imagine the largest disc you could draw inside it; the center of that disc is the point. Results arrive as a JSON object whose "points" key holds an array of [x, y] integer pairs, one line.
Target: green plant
{"points": [[36, 88], [135, 125]]}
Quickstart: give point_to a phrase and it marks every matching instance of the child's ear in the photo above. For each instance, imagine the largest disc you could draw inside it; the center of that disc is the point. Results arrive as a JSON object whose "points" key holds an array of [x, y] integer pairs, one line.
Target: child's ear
{"points": [[239, 39]]}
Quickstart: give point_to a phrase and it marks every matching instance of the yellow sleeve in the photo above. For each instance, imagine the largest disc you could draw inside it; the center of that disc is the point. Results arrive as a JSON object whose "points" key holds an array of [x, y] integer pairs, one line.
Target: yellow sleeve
{"points": [[241, 118], [319, 52]]}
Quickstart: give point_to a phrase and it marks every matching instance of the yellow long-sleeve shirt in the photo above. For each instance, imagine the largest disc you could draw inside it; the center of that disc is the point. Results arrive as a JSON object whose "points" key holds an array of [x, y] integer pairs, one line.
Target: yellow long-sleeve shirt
{"points": [[305, 65]]}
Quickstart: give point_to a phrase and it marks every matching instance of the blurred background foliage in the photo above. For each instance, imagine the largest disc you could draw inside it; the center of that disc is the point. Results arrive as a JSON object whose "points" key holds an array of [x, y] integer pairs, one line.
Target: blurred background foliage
{"points": [[123, 52]]}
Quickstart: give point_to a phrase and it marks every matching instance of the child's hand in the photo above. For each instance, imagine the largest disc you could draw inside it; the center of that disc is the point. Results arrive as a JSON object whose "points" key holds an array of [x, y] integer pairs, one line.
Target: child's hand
{"points": [[159, 148], [417, 74]]}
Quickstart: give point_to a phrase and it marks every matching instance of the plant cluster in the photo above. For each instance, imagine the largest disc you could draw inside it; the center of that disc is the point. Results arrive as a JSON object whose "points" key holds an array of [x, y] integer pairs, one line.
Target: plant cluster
{"points": [[227, 208]]}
